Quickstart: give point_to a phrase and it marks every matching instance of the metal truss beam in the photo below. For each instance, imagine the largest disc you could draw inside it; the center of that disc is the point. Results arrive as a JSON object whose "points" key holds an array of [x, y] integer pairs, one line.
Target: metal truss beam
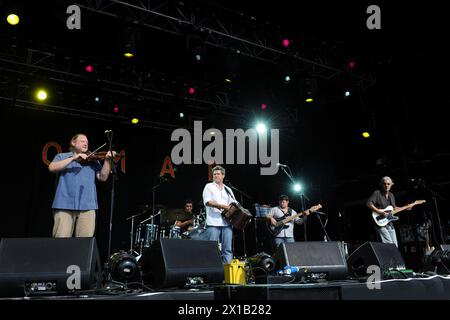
{"points": [[217, 27]]}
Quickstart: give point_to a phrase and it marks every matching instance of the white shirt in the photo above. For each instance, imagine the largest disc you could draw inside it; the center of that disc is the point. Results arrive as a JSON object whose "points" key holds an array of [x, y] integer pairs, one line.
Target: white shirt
{"points": [[211, 192], [276, 212]]}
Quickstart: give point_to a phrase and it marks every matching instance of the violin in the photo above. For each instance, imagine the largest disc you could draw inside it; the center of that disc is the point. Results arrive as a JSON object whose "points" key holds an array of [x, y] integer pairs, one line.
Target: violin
{"points": [[99, 155]]}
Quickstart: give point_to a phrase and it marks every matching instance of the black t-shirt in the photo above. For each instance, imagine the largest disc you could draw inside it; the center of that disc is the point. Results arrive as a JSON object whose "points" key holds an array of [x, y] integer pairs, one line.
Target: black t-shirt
{"points": [[379, 200]]}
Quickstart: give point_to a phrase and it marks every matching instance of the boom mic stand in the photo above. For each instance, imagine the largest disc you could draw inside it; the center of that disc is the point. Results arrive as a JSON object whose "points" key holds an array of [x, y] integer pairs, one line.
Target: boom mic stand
{"points": [[109, 135], [302, 199]]}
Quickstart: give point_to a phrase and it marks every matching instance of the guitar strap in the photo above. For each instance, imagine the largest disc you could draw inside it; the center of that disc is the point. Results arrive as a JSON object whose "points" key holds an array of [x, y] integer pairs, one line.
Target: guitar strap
{"points": [[229, 193], [287, 214]]}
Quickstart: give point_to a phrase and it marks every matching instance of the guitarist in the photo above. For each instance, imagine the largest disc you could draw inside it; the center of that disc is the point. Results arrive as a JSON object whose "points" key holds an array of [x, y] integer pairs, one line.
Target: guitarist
{"points": [[379, 200], [283, 211]]}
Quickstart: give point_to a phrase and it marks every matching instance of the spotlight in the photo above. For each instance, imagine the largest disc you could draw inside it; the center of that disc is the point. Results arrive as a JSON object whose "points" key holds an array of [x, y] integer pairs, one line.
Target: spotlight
{"points": [[261, 128], [261, 264], [309, 99], [191, 90], [128, 55], [181, 115], [308, 89], [365, 134], [89, 68], [135, 121], [41, 95], [13, 19], [124, 267], [287, 79], [347, 94], [116, 109], [97, 99], [263, 106], [351, 64], [297, 187], [286, 43], [227, 80]]}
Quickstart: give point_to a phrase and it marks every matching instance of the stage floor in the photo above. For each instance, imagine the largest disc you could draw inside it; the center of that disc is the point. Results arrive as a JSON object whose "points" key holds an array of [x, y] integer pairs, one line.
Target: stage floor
{"points": [[431, 288]]}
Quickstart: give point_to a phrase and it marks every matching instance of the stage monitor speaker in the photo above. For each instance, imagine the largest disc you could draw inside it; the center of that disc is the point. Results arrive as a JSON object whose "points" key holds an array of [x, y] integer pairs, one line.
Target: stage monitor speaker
{"points": [[385, 255], [317, 260], [32, 266], [170, 262]]}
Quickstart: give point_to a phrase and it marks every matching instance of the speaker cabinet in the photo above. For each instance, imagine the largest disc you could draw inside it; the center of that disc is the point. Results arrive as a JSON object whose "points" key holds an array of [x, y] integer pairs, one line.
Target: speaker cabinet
{"points": [[48, 266], [170, 262], [317, 260], [385, 255]]}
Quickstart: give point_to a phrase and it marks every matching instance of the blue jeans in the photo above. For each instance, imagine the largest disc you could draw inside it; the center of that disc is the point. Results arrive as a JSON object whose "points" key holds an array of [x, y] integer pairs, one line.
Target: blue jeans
{"points": [[280, 240], [387, 234], [225, 236]]}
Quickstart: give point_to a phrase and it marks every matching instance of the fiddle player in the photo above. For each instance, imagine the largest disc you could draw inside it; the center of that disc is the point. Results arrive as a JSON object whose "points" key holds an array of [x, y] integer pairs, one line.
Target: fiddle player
{"points": [[75, 200]]}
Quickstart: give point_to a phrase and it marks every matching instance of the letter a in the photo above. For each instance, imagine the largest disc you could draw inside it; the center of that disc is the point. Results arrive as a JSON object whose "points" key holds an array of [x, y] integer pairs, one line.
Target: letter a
{"points": [[167, 167], [374, 20], [74, 20]]}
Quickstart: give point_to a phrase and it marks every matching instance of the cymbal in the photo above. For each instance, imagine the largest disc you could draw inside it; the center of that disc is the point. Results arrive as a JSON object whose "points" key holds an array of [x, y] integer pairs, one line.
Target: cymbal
{"points": [[172, 214], [149, 207]]}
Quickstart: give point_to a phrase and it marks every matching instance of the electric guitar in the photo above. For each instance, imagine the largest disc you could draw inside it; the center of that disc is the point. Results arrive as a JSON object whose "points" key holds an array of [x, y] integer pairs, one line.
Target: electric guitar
{"points": [[282, 221], [383, 221]]}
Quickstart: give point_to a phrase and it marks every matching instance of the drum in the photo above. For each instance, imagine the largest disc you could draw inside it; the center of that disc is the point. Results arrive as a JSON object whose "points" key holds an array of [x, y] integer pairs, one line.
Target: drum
{"points": [[146, 234], [174, 232], [196, 233]]}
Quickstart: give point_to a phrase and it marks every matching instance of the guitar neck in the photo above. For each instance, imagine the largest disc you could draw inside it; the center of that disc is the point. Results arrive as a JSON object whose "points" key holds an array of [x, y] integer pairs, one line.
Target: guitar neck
{"points": [[288, 219], [403, 208]]}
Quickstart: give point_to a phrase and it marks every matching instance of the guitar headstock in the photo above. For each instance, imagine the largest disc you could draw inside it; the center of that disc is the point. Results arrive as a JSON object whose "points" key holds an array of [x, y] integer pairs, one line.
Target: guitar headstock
{"points": [[313, 209], [419, 201]]}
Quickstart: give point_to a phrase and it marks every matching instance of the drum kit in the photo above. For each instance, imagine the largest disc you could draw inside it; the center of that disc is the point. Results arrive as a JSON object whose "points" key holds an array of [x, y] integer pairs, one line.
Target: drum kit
{"points": [[144, 233]]}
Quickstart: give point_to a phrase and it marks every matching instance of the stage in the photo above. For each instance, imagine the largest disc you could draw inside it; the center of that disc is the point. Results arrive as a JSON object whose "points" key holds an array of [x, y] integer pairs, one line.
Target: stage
{"points": [[431, 288]]}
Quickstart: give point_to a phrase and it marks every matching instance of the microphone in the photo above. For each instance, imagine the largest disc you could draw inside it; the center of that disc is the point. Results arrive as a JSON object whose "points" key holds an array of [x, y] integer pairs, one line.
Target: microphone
{"points": [[108, 132], [282, 165]]}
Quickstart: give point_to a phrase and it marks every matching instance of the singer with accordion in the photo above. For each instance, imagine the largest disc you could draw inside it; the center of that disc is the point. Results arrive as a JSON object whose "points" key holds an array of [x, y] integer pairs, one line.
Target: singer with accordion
{"points": [[217, 198]]}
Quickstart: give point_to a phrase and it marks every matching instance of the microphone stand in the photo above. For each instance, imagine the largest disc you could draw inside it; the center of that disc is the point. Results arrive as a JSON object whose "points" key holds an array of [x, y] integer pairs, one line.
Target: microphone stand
{"points": [[114, 178], [325, 234], [242, 201], [302, 200]]}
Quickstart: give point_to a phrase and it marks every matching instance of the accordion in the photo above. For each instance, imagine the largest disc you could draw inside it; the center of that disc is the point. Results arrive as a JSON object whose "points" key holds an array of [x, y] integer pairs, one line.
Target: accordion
{"points": [[237, 216]]}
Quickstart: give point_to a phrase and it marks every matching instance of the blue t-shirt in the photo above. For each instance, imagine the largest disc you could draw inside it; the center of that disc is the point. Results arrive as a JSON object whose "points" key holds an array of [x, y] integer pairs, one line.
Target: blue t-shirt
{"points": [[76, 188]]}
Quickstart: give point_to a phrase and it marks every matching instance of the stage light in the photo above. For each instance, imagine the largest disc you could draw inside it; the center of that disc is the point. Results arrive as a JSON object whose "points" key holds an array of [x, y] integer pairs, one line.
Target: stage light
{"points": [[41, 95], [97, 99], [128, 55], [347, 94], [181, 115], [297, 187], [89, 68], [261, 264], [308, 89], [287, 79], [227, 80], [351, 64], [261, 128], [124, 267], [191, 90], [365, 134], [263, 106], [13, 19], [116, 109], [285, 43], [135, 121]]}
